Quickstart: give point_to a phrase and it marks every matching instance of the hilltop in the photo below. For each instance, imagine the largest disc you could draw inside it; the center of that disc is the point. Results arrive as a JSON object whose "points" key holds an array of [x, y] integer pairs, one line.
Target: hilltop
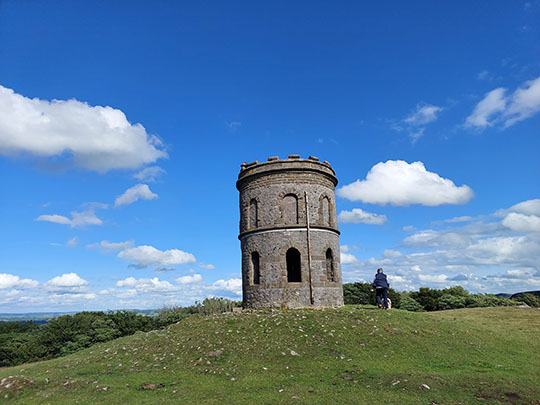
{"points": [[346, 355]]}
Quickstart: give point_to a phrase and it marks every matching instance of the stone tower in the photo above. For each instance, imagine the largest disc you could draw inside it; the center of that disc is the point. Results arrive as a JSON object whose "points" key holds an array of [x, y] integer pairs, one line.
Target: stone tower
{"points": [[288, 234]]}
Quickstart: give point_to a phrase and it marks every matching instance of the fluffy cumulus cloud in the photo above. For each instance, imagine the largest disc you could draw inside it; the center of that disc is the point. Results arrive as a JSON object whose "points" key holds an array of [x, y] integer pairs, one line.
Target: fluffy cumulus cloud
{"points": [[93, 137], [147, 285], [233, 285], [68, 280], [144, 256], [132, 194], [397, 182], [78, 219], [358, 215], [195, 278], [149, 174], [497, 107], [12, 281], [522, 217], [348, 258], [521, 222]]}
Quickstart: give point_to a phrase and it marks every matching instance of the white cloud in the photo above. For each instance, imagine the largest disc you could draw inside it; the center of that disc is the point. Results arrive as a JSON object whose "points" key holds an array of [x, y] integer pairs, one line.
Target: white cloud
{"points": [[72, 242], [207, 266], [424, 114], [67, 280], [397, 182], [78, 219], [147, 285], [389, 253], [358, 215], [415, 122], [144, 256], [109, 247], [464, 218], [494, 102], [233, 285], [441, 278], [496, 107], [195, 278], [149, 174], [132, 194], [482, 255], [344, 248], [524, 103], [12, 281], [95, 138], [521, 222], [348, 258], [529, 207]]}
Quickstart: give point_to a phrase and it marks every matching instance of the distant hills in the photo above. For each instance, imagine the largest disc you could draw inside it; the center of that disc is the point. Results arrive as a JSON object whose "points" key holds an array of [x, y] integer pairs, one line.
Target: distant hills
{"points": [[515, 295]]}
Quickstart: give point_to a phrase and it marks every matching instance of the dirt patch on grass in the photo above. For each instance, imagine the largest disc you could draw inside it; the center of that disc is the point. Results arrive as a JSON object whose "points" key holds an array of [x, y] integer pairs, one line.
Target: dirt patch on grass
{"points": [[489, 394], [13, 385]]}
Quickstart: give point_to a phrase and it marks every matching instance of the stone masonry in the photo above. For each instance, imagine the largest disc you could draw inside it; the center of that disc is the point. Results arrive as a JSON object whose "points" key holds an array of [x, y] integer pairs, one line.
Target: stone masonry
{"points": [[277, 244]]}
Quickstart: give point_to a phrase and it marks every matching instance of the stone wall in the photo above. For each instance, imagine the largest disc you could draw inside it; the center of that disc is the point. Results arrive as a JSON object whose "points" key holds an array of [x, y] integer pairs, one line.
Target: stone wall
{"points": [[273, 220]]}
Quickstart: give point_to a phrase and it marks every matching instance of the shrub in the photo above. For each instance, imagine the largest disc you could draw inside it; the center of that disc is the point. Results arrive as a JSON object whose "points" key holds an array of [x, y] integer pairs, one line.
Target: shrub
{"points": [[449, 301], [428, 298], [408, 303], [528, 299]]}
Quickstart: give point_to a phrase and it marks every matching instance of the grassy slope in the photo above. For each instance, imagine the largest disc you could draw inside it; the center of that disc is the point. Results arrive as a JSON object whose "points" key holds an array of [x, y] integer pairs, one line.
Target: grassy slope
{"points": [[349, 355]]}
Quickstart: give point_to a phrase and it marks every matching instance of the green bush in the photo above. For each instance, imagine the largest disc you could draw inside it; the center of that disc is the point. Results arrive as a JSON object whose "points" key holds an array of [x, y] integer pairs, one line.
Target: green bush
{"points": [[528, 299], [449, 301], [410, 304]]}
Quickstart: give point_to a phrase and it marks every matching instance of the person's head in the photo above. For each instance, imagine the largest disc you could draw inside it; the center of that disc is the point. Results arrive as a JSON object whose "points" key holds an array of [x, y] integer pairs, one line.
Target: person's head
{"points": [[379, 270]]}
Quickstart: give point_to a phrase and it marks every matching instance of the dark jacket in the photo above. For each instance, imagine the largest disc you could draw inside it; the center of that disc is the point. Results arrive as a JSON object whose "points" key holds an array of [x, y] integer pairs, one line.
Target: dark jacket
{"points": [[380, 281]]}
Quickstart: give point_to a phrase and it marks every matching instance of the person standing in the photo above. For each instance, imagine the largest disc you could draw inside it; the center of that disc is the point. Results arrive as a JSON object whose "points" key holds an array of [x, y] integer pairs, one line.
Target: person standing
{"points": [[380, 283]]}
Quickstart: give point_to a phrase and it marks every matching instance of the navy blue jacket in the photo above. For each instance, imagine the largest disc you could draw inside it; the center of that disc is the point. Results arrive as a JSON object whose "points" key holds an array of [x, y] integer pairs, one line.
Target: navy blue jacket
{"points": [[380, 281]]}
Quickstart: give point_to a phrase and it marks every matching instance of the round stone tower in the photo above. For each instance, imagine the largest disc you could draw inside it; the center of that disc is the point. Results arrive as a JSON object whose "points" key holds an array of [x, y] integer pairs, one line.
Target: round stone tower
{"points": [[288, 234]]}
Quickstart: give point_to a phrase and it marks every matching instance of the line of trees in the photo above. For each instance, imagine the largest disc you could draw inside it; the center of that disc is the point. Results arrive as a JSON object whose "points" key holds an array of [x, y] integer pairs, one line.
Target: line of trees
{"points": [[429, 299]]}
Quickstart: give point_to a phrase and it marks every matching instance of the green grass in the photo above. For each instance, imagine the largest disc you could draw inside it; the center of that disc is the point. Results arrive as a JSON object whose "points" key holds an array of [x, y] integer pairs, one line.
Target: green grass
{"points": [[343, 356]]}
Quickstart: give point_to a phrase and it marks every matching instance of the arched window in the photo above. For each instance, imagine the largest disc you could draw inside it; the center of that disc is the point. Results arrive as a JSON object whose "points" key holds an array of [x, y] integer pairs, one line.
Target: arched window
{"points": [[253, 214], [330, 266], [290, 209], [294, 269], [324, 211], [255, 267]]}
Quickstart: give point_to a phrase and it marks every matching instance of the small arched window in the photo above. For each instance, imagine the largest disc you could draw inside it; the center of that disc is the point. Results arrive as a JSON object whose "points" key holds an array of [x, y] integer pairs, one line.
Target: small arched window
{"points": [[294, 269], [290, 209], [255, 267], [253, 214], [330, 274]]}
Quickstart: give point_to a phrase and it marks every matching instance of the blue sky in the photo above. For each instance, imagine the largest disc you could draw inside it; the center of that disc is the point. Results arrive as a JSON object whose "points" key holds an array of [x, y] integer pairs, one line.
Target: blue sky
{"points": [[123, 126]]}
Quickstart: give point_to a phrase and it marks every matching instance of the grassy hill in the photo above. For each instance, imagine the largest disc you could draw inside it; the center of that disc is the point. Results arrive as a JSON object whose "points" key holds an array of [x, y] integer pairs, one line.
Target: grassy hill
{"points": [[332, 356]]}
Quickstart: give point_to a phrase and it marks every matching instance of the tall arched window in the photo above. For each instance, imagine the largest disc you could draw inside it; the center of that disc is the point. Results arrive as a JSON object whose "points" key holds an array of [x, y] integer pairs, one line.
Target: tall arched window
{"points": [[324, 211], [294, 269], [290, 209], [255, 267], [330, 266], [253, 214]]}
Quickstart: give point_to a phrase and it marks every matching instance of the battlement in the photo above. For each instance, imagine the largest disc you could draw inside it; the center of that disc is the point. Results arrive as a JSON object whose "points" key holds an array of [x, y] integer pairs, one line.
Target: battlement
{"points": [[291, 163]]}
